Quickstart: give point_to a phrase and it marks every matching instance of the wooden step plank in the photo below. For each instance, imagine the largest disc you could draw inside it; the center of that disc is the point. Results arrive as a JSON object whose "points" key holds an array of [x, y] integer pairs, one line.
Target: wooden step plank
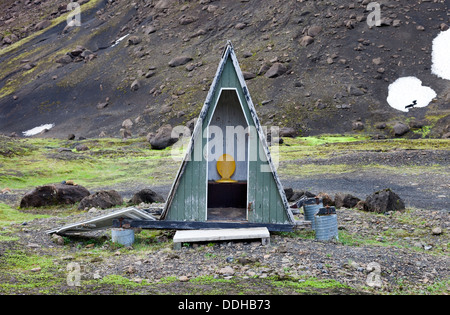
{"points": [[193, 236]]}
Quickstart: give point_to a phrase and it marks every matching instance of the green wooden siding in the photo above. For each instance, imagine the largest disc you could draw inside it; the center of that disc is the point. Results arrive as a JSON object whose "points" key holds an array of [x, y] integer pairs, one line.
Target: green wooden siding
{"points": [[190, 199]]}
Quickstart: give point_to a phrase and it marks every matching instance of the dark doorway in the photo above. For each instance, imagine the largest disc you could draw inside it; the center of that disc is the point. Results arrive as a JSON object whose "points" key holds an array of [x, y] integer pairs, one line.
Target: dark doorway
{"points": [[227, 201]]}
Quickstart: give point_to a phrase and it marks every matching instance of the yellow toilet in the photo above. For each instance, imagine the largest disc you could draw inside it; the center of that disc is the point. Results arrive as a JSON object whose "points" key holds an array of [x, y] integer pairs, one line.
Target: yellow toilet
{"points": [[226, 167]]}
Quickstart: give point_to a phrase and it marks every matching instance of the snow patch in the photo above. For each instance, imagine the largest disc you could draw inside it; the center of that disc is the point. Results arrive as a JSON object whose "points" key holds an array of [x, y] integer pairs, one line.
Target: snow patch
{"points": [[37, 130], [119, 40], [441, 55], [407, 91]]}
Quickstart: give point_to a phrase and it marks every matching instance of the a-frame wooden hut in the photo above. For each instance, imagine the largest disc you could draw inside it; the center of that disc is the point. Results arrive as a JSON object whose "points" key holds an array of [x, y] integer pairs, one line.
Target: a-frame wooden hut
{"points": [[251, 193]]}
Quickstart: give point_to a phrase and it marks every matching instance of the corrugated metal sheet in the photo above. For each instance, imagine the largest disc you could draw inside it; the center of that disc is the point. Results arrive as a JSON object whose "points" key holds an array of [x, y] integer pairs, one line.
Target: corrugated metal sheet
{"points": [[103, 222]]}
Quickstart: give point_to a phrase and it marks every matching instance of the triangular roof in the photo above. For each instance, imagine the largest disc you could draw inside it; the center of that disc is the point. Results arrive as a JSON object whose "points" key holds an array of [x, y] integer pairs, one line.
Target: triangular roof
{"points": [[228, 54]]}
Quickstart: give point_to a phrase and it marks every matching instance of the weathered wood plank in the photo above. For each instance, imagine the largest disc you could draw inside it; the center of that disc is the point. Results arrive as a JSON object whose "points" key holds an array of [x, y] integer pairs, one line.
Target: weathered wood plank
{"points": [[221, 235]]}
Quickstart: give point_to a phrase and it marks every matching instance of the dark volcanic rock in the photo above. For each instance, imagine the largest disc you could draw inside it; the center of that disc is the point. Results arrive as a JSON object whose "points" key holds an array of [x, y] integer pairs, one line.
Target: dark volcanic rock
{"points": [[306, 40], [345, 200], [288, 132], [147, 196], [179, 61], [383, 201], [400, 129], [51, 195], [163, 138], [276, 70], [102, 199]]}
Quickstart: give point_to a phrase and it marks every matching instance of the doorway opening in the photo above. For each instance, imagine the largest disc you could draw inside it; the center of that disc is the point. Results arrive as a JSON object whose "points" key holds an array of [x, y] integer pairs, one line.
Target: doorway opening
{"points": [[227, 176]]}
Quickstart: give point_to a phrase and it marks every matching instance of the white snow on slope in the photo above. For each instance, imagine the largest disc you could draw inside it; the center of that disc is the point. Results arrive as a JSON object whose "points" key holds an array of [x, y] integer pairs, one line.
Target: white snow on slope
{"points": [[37, 130], [404, 91], [441, 55]]}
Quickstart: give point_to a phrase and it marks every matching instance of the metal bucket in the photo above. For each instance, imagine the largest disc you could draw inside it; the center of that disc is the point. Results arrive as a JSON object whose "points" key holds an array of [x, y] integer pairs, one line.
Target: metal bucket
{"points": [[311, 206], [123, 237], [326, 227]]}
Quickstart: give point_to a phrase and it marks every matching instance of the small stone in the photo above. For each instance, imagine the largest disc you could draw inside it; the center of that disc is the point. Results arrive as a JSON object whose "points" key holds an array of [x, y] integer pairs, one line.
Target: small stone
{"points": [[183, 279], [134, 40], [377, 61], [57, 239], [240, 26], [436, 231], [135, 85], [306, 40], [226, 271]]}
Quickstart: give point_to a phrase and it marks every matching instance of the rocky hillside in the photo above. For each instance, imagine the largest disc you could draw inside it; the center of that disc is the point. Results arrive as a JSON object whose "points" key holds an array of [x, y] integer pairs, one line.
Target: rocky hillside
{"points": [[152, 62]]}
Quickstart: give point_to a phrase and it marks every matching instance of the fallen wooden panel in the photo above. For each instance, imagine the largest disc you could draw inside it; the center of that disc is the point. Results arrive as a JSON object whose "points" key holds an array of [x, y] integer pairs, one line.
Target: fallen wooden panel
{"points": [[194, 236], [190, 225], [103, 221]]}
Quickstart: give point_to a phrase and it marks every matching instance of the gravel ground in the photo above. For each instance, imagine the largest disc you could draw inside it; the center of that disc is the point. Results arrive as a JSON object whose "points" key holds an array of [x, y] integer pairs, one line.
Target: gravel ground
{"points": [[411, 253]]}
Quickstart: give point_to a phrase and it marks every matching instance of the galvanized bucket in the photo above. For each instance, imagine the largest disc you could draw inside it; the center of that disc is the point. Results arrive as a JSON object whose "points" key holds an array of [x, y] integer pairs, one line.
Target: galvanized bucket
{"points": [[311, 206], [326, 227], [123, 237]]}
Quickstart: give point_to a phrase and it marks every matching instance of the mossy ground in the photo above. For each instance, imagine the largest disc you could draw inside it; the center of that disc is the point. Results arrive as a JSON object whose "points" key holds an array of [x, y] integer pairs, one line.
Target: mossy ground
{"points": [[27, 163], [33, 162]]}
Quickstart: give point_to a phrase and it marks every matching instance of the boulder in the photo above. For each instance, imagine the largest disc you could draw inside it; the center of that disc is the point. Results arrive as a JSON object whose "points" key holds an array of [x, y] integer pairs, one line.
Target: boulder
{"points": [[288, 132], [296, 195], [289, 192], [248, 75], [185, 20], [314, 30], [357, 125], [345, 200], [102, 199], [134, 40], [41, 25], [400, 129], [354, 90], [383, 201], [240, 26], [127, 123], [163, 138], [82, 147], [147, 196], [136, 85], [51, 195], [306, 40], [179, 61], [276, 70], [264, 68], [164, 4], [64, 60], [125, 133], [326, 199]]}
